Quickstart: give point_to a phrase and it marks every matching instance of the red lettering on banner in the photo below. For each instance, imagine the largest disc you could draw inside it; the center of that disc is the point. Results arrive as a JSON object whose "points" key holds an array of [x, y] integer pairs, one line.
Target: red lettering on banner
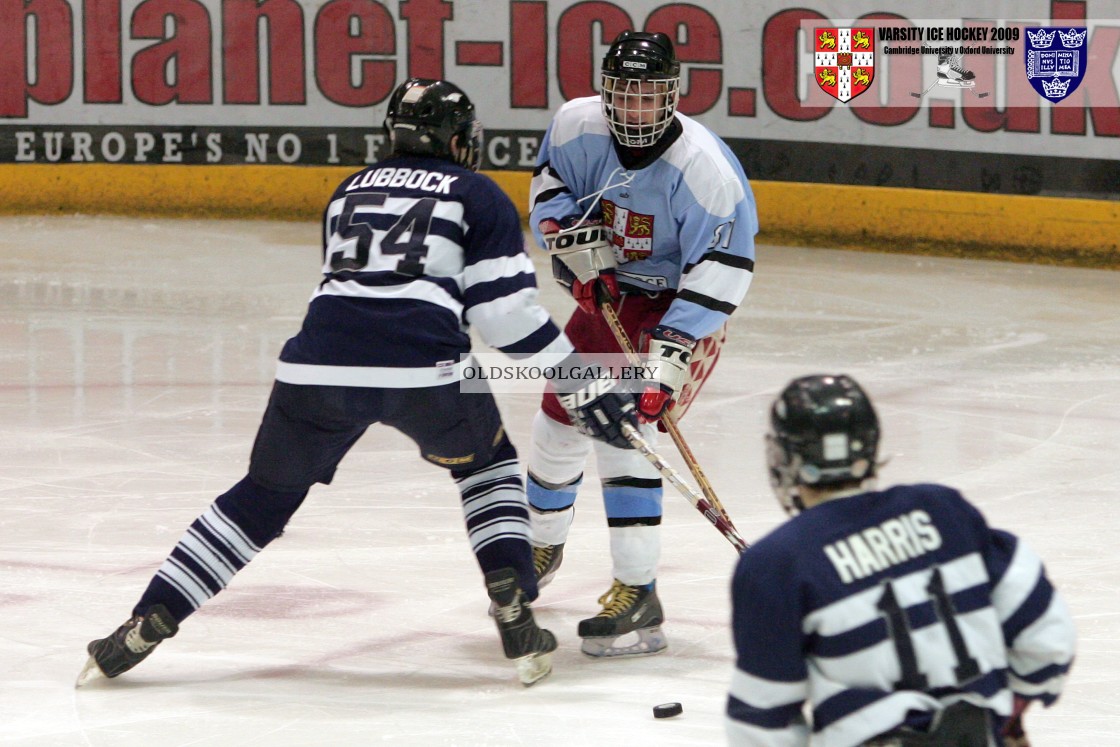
{"points": [[54, 54], [334, 48], [1021, 110], [529, 55], [101, 64], [356, 62], [577, 63], [1097, 91], [189, 48], [487, 54], [701, 44], [425, 20], [241, 56], [780, 67]]}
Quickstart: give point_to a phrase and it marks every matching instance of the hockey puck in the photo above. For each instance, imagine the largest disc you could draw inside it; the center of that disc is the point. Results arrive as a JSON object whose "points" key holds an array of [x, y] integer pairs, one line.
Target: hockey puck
{"points": [[667, 710]]}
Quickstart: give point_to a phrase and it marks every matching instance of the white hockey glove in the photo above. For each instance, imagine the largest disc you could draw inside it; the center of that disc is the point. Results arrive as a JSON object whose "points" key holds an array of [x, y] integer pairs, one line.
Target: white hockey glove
{"points": [[582, 261], [670, 353], [599, 408]]}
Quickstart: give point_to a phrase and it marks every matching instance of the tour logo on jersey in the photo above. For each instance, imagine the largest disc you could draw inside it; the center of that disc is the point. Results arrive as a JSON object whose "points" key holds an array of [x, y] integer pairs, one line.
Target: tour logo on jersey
{"points": [[1055, 60], [844, 61], [630, 233]]}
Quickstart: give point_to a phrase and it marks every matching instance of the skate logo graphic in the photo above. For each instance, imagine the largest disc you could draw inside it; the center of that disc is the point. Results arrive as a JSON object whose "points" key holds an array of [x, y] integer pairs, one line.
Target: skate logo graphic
{"points": [[844, 61], [1055, 58], [952, 73]]}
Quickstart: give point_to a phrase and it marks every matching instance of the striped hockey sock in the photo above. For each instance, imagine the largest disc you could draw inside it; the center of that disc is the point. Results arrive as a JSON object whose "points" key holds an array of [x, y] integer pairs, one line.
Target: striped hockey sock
{"points": [[217, 545], [497, 517]]}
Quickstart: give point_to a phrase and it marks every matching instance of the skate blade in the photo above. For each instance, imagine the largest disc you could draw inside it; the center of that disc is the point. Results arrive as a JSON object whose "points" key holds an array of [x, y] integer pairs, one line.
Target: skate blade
{"points": [[641, 642], [533, 668], [955, 84], [90, 673]]}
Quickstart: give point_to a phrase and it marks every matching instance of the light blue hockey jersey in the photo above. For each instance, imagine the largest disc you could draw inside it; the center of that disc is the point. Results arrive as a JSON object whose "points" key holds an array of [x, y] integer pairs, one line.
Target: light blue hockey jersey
{"points": [[684, 217], [878, 610]]}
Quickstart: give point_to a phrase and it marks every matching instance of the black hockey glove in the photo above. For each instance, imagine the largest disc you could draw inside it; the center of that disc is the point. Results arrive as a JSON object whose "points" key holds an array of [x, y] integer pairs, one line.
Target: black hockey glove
{"points": [[599, 408]]}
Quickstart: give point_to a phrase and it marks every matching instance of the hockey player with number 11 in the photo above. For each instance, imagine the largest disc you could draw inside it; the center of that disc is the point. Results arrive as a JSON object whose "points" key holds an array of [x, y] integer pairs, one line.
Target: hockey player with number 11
{"points": [[897, 616]]}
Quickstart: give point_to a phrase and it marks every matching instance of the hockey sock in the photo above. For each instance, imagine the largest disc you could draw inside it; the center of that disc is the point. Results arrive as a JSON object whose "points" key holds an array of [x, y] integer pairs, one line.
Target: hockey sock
{"points": [[497, 516], [217, 545], [633, 507], [548, 497]]}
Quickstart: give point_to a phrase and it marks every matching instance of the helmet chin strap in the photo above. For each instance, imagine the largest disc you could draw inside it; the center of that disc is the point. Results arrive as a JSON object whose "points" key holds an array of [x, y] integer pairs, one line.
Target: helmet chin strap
{"points": [[455, 146]]}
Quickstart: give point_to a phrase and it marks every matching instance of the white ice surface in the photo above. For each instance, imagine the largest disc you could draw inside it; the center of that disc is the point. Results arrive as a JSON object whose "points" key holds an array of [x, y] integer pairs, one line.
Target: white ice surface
{"points": [[135, 361]]}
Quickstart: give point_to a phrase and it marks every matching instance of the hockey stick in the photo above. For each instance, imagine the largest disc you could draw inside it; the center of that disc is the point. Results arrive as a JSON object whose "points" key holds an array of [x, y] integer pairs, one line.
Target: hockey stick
{"points": [[719, 519], [923, 93], [668, 419]]}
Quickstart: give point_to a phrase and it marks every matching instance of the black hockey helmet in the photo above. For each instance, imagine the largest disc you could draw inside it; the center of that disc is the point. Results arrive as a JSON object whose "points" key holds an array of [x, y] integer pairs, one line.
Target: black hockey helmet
{"points": [[641, 80], [424, 115], [823, 433]]}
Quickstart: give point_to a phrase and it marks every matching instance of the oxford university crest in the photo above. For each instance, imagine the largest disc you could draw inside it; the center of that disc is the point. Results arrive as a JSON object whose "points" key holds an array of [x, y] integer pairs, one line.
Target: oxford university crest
{"points": [[1055, 58]]}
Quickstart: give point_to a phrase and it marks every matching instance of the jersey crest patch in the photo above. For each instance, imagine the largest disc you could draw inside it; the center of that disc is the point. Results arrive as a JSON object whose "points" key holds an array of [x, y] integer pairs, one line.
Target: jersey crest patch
{"points": [[630, 233]]}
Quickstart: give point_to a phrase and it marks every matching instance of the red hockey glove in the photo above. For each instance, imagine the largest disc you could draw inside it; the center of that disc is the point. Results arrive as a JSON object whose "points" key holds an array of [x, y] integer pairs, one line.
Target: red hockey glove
{"points": [[670, 352], [582, 261]]}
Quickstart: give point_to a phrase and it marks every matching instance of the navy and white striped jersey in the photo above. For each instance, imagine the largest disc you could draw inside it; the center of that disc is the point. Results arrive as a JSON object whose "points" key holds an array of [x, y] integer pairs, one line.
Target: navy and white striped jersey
{"points": [[415, 250], [684, 220], [873, 611]]}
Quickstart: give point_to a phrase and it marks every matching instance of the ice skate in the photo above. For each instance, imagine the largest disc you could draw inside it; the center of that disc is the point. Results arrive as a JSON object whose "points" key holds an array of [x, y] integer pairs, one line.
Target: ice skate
{"points": [[529, 646], [129, 645], [546, 561], [629, 624], [951, 72]]}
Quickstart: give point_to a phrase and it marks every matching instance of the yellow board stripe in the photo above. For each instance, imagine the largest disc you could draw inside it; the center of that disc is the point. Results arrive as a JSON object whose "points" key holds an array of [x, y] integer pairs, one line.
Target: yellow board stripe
{"points": [[1040, 229]]}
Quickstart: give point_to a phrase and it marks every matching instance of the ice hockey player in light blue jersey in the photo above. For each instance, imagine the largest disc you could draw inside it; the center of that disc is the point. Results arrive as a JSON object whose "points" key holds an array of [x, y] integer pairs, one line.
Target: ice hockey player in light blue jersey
{"points": [[882, 618], [416, 249], [648, 209]]}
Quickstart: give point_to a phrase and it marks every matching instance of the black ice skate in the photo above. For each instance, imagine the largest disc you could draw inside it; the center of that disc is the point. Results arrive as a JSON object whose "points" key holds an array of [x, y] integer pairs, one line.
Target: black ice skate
{"points": [[952, 72], [629, 625], [546, 561], [129, 645], [529, 646]]}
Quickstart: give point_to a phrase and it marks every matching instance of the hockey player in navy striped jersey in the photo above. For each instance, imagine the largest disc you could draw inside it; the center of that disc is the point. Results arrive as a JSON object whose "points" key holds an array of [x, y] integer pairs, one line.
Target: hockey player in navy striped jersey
{"points": [[883, 618], [416, 249], [648, 209]]}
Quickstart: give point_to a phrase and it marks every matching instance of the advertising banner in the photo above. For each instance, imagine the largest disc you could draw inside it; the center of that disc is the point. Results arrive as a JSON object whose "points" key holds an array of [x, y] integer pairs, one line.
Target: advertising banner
{"points": [[835, 92]]}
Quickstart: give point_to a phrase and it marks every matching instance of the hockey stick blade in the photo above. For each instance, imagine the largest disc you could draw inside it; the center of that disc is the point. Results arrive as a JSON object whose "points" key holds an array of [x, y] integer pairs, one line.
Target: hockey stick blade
{"points": [[698, 501], [917, 95]]}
